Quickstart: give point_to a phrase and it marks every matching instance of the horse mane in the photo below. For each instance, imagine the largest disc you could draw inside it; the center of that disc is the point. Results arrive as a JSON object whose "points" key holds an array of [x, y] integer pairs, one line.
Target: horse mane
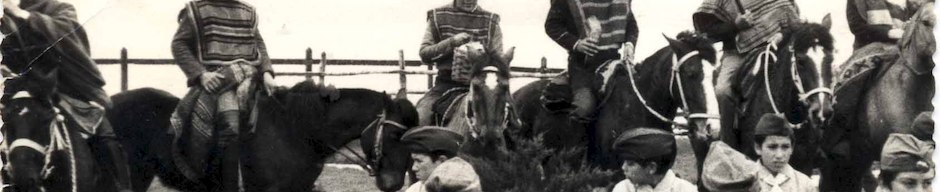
{"points": [[699, 42], [801, 36]]}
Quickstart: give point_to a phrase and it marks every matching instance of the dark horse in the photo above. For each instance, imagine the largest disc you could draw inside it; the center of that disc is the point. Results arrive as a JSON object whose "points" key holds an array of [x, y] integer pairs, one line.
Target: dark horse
{"points": [[886, 100], [787, 82], [669, 80], [484, 113], [296, 130], [44, 150]]}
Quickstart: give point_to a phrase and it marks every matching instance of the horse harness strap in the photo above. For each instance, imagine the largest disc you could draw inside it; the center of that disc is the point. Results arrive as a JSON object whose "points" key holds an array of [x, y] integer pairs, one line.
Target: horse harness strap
{"points": [[363, 162], [767, 56], [470, 122], [674, 78], [59, 140], [798, 81]]}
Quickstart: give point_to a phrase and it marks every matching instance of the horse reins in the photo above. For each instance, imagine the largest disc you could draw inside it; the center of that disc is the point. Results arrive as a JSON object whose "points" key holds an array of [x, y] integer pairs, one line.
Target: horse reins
{"points": [[766, 56], [377, 147], [674, 77], [59, 140]]}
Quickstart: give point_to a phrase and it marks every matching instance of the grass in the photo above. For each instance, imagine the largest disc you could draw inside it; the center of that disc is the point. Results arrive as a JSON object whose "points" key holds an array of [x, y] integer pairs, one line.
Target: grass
{"points": [[345, 179]]}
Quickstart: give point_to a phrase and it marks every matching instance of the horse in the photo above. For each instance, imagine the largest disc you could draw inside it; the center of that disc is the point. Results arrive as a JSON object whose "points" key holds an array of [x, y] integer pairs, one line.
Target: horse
{"points": [[786, 78], [483, 114], [885, 101], [644, 95], [295, 130], [44, 150]]}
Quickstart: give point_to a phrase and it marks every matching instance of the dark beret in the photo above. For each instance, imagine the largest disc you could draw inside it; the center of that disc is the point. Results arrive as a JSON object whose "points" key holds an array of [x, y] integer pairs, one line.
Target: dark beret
{"points": [[773, 124], [428, 139], [904, 152], [645, 144], [922, 128]]}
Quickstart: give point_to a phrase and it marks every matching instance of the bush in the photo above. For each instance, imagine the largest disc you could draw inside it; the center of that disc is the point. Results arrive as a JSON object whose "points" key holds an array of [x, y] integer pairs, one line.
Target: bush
{"points": [[528, 166]]}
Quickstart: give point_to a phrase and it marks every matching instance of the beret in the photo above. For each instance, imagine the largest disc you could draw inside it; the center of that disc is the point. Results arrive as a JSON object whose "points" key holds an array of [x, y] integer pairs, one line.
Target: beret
{"points": [[904, 152], [432, 138], [644, 143], [773, 124], [922, 128]]}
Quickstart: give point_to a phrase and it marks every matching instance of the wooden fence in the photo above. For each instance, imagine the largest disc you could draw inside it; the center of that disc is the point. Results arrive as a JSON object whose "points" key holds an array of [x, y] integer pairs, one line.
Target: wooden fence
{"points": [[542, 72]]}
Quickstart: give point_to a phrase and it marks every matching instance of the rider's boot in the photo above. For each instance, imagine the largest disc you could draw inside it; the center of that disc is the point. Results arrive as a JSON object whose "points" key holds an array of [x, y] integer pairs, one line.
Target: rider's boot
{"points": [[114, 162], [229, 168]]}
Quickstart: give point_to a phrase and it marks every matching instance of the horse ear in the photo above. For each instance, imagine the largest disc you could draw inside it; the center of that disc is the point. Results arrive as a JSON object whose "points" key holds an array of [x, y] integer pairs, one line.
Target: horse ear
{"points": [[673, 43], [508, 55], [827, 21]]}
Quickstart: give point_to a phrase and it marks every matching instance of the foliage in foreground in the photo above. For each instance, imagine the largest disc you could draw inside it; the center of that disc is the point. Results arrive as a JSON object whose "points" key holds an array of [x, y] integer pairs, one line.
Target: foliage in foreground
{"points": [[528, 166]]}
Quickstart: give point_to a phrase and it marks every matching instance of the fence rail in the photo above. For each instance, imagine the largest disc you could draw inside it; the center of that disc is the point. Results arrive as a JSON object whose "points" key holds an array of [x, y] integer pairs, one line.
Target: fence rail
{"points": [[517, 72]]}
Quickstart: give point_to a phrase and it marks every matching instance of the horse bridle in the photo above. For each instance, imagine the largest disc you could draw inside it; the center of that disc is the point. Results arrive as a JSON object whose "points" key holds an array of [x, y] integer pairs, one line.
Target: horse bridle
{"points": [[474, 132], [59, 140], [766, 56], [674, 77], [372, 166]]}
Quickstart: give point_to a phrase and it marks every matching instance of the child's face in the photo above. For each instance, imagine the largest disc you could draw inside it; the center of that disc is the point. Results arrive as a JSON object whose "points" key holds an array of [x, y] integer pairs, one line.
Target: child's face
{"points": [[637, 173], [912, 181], [423, 165], [466, 5], [775, 152]]}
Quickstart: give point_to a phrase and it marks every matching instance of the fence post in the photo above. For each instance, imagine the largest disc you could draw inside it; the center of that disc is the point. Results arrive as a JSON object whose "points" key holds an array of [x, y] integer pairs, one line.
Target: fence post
{"points": [[308, 62], [123, 69], [544, 68], [430, 76], [323, 67], [402, 77]]}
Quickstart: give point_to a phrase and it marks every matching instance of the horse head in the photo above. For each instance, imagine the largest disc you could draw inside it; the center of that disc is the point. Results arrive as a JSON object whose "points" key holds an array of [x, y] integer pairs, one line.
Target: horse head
{"points": [[488, 106], [686, 73], [29, 117], [811, 49], [918, 44], [381, 142]]}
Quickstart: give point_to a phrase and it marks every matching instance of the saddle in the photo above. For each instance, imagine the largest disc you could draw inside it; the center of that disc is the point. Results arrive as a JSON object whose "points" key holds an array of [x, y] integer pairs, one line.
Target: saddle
{"points": [[557, 95], [86, 116], [193, 124], [861, 70], [443, 107]]}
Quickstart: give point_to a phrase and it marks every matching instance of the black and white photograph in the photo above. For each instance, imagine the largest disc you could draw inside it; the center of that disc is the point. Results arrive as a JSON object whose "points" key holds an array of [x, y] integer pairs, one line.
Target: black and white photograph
{"points": [[467, 95]]}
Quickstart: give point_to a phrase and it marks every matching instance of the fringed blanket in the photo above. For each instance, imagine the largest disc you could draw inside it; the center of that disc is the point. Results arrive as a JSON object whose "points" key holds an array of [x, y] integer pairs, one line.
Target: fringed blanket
{"points": [[444, 106], [193, 122], [862, 69]]}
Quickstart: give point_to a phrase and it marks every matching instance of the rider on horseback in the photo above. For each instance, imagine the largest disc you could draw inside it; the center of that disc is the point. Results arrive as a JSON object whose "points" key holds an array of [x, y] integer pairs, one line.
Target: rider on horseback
{"points": [[592, 34], [220, 50], [449, 27], [743, 33], [879, 20], [45, 37]]}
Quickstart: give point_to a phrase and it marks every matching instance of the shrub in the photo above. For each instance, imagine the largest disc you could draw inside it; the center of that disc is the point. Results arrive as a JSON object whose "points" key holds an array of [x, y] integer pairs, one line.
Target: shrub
{"points": [[528, 166]]}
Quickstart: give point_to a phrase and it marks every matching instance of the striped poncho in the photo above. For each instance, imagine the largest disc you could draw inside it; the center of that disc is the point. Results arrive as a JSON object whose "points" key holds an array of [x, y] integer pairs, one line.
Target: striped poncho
{"points": [[770, 14], [603, 20]]}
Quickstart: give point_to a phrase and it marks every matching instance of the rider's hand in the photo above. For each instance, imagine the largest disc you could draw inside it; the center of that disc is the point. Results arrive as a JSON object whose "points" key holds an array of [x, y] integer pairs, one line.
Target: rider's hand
{"points": [[13, 7], [628, 50], [211, 81], [895, 34], [775, 39], [586, 46], [461, 38], [745, 20], [269, 84]]}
